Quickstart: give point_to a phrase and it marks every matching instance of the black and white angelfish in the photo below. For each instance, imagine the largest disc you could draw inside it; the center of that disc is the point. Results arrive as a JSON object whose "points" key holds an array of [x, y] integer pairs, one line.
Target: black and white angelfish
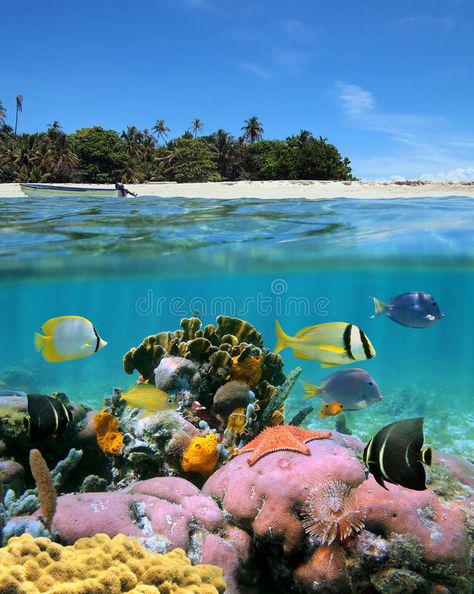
{"points": [[396, 455], [334, 343], [47, 417]]}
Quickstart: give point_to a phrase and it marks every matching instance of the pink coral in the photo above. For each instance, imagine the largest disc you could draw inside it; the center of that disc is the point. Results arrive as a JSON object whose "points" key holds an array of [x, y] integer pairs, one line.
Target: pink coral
{"points": [[170, 512], [267, 499]]}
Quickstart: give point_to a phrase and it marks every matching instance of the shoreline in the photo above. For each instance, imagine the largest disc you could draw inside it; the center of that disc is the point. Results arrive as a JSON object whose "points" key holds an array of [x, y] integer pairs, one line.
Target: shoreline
{"points": [[269, 190]]}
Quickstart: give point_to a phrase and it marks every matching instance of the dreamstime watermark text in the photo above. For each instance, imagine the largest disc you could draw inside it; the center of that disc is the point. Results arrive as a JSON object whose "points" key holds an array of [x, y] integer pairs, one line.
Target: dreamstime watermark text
{"points": [[276, 302]]}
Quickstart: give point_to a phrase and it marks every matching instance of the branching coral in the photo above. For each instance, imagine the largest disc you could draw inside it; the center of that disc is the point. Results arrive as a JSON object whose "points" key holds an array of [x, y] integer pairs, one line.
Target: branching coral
{"points": [[331, 511], [101, 565]]}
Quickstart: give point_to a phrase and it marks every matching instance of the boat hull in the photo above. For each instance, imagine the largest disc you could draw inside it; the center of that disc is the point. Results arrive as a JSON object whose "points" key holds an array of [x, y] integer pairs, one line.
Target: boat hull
{"points": [[46, 190]]}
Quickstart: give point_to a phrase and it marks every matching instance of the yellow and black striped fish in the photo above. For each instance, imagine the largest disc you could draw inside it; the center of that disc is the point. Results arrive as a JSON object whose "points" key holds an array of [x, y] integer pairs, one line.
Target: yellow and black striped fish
{"points": [[333, 343], [396, 455]]}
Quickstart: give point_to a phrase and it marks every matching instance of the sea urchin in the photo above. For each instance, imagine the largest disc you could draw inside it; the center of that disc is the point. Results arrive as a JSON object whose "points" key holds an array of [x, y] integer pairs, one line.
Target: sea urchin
{"points": [[331, 510]]}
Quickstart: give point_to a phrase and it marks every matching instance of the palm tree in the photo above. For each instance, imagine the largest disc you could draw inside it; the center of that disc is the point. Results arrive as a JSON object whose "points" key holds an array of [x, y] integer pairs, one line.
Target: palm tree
{"points": [[3, 115], [253, 129], [196, 126], [225, 148], [19, 107], [161, 130], [132, 137]]}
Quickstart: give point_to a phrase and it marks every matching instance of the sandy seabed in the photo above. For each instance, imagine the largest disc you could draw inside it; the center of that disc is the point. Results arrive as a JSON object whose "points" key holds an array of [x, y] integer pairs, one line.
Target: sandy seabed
{"points": [[290, 189]]}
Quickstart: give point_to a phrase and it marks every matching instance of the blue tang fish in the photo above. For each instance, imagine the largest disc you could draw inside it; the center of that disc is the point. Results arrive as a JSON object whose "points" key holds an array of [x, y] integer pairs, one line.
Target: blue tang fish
{"points": [[354, 388], [414, 310]]}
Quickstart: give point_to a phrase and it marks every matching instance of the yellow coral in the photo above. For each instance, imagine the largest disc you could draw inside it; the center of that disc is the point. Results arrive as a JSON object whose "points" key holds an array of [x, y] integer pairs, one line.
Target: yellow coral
{"points": [[124, 567], [248, 370], [109, 437], [278, 416], [237, 421], [201, 455]]}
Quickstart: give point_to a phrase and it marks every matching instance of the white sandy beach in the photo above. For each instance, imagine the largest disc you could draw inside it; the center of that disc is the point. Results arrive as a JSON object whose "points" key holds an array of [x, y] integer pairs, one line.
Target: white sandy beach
{"points": [[291, 189]]}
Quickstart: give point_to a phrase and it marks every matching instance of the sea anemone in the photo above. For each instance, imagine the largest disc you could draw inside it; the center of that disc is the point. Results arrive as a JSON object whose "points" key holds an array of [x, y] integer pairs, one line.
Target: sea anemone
{"points": [[331, 510]]}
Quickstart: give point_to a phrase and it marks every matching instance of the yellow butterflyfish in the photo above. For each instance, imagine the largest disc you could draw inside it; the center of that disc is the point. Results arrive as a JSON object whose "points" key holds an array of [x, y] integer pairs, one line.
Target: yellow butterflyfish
{"points": [[67, 338]]}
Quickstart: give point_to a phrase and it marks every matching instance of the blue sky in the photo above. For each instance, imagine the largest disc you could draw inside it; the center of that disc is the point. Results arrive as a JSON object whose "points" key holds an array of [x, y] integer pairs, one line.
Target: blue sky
{"points": [[391, 84]]}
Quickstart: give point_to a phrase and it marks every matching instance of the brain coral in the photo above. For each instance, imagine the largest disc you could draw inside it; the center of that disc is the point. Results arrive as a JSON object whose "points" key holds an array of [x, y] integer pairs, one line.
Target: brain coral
{"points": [[101, 565]]}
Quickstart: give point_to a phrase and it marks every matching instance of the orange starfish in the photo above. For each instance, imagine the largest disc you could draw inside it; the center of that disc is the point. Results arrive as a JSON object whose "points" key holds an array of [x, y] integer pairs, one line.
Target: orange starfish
{"points": [[282, 437]]}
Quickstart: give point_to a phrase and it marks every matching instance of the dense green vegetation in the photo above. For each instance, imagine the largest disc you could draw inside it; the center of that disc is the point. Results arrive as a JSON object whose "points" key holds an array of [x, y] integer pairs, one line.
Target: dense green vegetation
{"points": [[134, 156]]}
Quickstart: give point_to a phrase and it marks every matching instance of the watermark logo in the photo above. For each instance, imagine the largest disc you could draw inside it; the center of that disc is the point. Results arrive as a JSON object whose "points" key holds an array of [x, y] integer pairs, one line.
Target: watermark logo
{"points": [[276, 302]]}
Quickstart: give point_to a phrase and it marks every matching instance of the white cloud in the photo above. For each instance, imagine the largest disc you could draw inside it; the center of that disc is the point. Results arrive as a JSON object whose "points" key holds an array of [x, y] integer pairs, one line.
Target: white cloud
{"points": [[415, 145], [355, 99], [458, 174], [256, 69]]}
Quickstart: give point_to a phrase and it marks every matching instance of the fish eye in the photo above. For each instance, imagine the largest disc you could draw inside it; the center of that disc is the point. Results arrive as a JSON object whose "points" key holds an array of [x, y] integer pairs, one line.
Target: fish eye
{"points": [[370, 383], [434, 303], [170, 401]]}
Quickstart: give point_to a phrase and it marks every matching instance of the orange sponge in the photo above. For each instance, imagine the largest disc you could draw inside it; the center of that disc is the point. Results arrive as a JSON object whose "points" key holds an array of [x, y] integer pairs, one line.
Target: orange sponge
{"points": [[108, 435]]}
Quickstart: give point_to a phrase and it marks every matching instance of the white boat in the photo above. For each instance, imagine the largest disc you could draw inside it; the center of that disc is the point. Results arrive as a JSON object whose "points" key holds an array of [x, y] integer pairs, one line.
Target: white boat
{"points": [[47, 190]]}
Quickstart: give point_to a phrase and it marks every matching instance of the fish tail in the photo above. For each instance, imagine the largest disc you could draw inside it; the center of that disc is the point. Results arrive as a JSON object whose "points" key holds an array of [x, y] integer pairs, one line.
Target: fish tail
{"points": [[310, 390], [379, 307], [38, 341], [427, 456], [283, 340]]}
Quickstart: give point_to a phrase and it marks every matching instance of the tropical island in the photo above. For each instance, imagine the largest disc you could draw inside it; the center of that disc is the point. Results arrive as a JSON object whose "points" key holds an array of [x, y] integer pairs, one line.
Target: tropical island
{"points": [[96, 155]]}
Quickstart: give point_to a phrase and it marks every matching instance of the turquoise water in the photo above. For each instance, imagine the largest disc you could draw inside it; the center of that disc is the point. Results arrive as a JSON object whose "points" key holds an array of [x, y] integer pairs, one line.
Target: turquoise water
{"points": [[137, 268]]}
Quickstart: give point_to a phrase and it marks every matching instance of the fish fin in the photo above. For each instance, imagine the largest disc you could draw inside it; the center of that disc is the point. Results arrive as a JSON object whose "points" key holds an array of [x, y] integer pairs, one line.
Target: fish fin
{"points": [[361, 404], [324, 365], [310, 390], [87, 343], [379, 307], [332, 349], [282, 338], [48, 327], [427, 456], [379, 479], [49, 353], [39, 341]]}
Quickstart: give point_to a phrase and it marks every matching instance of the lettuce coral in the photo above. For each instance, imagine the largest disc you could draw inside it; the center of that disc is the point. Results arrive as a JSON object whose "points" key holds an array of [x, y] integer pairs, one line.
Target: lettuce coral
{"points": [[101, 565]]}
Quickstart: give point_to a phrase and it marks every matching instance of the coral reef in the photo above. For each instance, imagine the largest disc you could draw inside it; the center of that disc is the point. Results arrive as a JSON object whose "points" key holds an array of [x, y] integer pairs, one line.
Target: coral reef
{"points": [[410, 534], [220, 367], [100, 565], [223, 382], [16, 510], [163, 513]]}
